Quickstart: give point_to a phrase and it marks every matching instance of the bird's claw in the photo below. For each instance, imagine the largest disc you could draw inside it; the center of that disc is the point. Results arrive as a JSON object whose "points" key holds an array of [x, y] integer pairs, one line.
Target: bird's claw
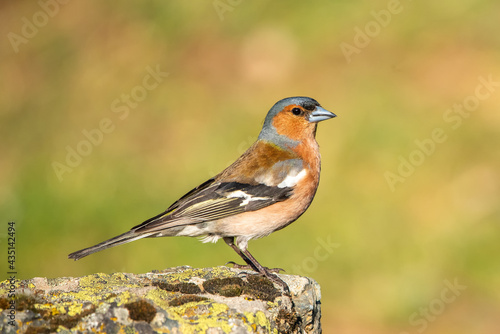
{"points": [[270, 274], [274, 278], [248, 267]]}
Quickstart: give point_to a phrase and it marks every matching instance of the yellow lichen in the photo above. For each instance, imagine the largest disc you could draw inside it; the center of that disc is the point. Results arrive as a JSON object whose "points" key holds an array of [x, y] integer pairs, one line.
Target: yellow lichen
{"points": [[98, 287], [187, 274], [69, 308], [214, 317], [122, 298], [74, 309], [159, 297], [257, 319]]}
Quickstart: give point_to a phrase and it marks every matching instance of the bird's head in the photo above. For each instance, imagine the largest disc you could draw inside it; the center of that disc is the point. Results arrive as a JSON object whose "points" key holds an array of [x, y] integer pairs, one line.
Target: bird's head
{"points": [[293, 120]]}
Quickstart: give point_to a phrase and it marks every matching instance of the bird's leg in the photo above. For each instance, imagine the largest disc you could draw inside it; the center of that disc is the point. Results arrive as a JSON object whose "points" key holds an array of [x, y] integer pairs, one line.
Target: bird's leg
{"points": [[230, 242], [266, 272], [250, 264], [255, 265]]}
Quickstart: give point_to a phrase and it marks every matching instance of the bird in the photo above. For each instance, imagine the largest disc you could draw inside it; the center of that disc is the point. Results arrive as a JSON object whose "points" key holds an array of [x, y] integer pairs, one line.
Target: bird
{"points": [[267, 188]]}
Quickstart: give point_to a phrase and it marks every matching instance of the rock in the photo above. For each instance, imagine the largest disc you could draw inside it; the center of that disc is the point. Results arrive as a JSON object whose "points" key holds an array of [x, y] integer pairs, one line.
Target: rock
{"points": [[175, 300]]}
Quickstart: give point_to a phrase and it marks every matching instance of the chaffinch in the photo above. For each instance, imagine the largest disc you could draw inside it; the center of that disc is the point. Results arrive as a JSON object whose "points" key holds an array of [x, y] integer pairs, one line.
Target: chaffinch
{"points": [[264, 190]]}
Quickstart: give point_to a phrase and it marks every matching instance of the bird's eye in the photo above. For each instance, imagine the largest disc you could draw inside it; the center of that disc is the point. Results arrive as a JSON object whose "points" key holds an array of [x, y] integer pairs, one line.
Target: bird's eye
{"points": [[296, 111]]}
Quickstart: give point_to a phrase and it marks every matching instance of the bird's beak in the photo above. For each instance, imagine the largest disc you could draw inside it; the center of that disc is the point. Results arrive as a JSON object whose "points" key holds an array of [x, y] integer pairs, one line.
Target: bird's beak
{"points": [[319, 114]]}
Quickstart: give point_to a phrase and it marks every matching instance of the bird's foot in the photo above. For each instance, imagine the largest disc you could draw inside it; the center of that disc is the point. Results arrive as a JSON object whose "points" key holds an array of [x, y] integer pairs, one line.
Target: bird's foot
{"points": [[249, 267], [275, 278], [267, 272]]}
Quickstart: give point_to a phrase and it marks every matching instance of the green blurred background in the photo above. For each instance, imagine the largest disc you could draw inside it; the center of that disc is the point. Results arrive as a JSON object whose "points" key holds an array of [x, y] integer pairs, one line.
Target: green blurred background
{"points": [[391, 245]]}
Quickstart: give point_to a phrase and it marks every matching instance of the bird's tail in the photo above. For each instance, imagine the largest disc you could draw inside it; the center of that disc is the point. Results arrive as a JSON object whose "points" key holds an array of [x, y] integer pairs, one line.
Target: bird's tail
{"points": [[118, 240]]}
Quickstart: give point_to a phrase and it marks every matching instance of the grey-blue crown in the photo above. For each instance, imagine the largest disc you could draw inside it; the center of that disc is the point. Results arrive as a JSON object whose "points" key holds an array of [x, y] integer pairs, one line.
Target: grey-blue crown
{"points": [[303, 101]]}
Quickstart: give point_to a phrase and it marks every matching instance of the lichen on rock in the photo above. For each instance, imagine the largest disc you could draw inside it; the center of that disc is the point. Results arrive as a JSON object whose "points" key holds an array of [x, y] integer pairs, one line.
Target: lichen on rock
{"points": [[175, 300]]}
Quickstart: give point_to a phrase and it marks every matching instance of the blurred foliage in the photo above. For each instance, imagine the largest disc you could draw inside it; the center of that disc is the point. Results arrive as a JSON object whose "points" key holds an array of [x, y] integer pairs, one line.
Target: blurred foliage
{"points": [[396, 246]]}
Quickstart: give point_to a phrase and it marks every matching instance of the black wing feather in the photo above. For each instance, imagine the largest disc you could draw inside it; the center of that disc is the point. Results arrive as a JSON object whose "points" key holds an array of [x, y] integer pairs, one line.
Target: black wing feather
{"points": [[213, 200]]}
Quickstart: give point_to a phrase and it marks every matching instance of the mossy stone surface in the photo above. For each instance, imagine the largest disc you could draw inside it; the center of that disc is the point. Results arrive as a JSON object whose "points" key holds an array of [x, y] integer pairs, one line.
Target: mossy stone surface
{"points": [[175, 300]]}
